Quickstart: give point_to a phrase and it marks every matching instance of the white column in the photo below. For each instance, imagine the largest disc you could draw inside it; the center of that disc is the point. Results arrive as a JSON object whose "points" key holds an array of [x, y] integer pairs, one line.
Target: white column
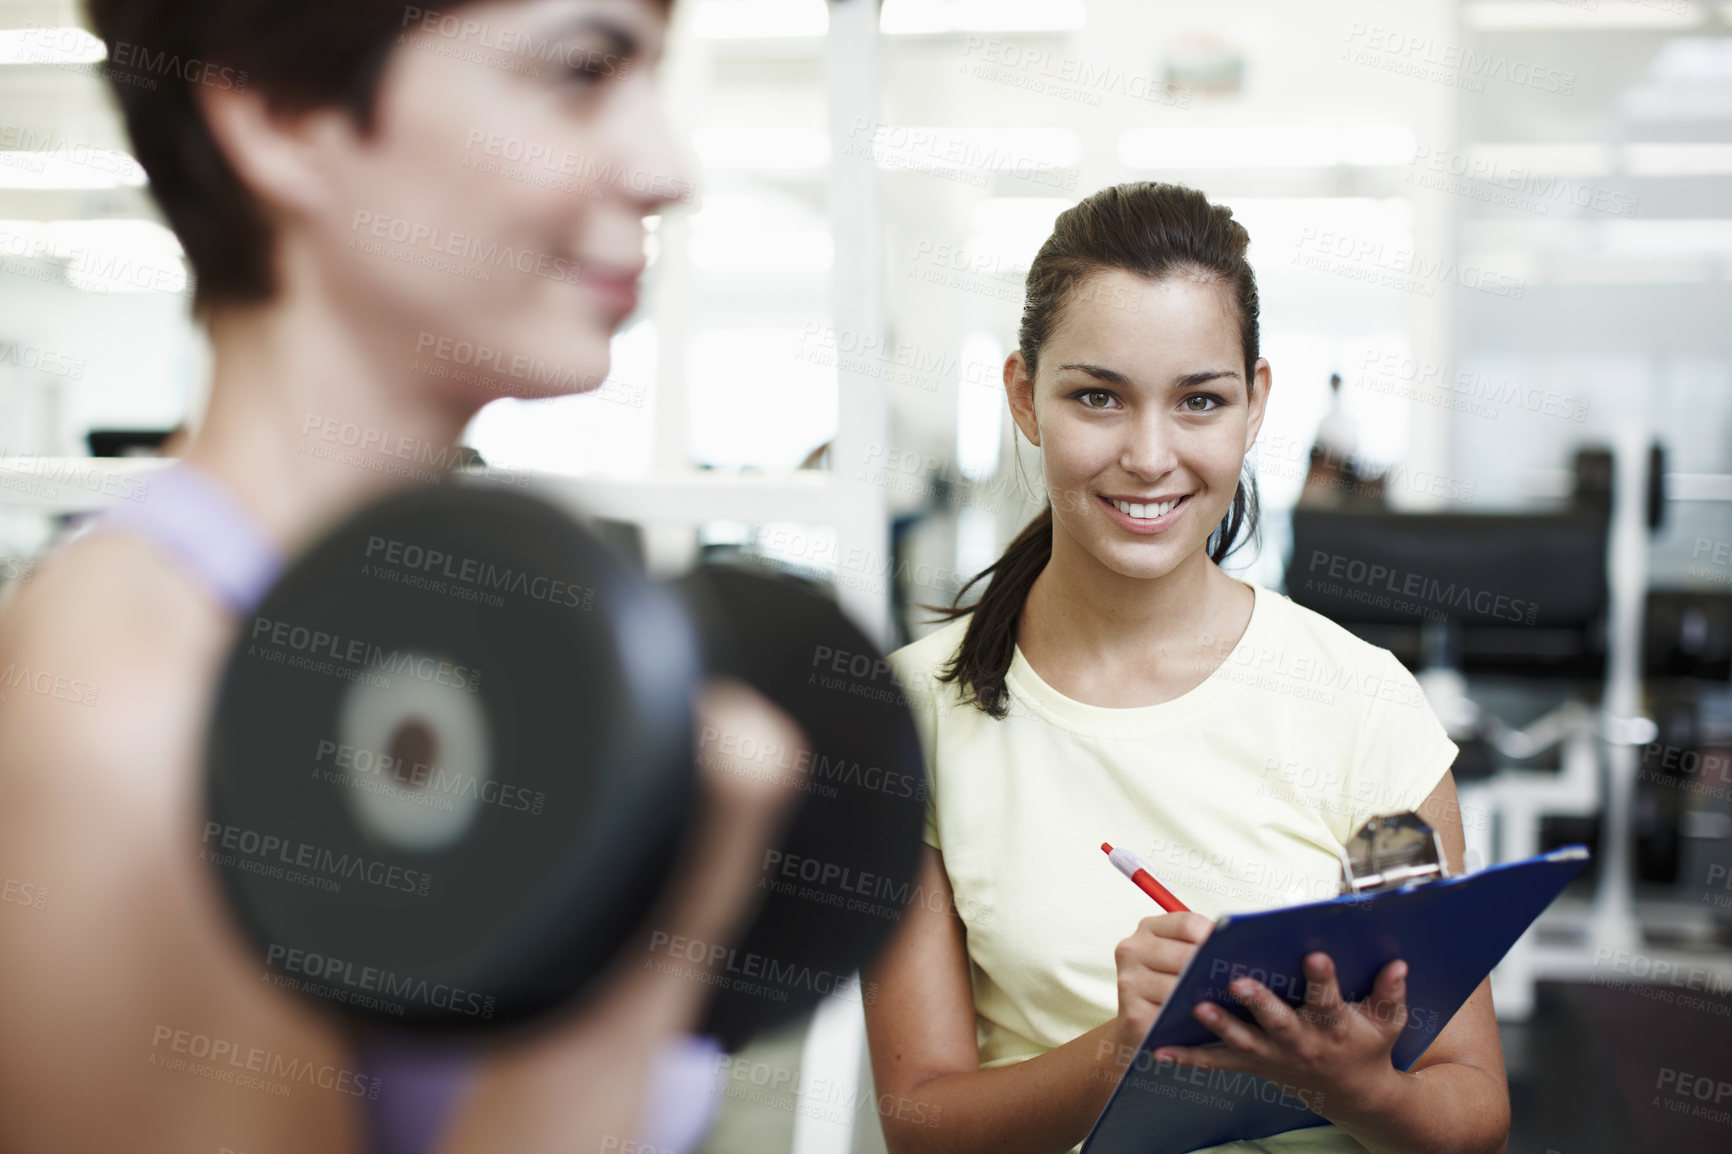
{"points": [[826, 1107], [856, 301], [832, 1050], [1431, 320], [671, 545]]}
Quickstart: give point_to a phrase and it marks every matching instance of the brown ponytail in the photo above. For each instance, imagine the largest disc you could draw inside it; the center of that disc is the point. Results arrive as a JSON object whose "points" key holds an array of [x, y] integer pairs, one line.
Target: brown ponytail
{"points": [[1146, 228]]}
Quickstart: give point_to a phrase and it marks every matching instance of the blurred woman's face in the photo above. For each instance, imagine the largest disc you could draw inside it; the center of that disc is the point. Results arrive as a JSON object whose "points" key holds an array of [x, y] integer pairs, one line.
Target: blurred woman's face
{"points": [[1143, 416], [490, 233]]}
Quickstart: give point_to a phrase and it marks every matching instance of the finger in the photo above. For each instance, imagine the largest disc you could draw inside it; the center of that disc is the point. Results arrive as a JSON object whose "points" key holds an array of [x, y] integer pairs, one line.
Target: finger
{"points": [[1147, 987], [1322, 987], [1231, 1030], [731, 707], [1324, 1006], [1270, 1012], [1159, 955], [1184, 926], [1387, 1004], [1391, 982], [1142, 952]]}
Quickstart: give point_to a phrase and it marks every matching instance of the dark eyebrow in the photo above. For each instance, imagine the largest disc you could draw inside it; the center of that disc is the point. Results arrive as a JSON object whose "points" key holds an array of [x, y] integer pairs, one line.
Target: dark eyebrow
{"points": [[623, 41], [1188, 381], [1192, 380], [1111, 376]]}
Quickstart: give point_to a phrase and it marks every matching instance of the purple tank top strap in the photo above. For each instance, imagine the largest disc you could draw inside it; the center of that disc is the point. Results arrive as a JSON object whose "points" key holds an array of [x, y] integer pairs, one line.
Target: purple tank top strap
{"points": [[681, 1099], [417, 1085], [194, 520]]}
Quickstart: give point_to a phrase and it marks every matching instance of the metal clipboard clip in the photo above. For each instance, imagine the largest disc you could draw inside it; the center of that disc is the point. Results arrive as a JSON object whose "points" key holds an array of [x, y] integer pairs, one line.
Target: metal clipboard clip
{"points": [[1390, 852]]}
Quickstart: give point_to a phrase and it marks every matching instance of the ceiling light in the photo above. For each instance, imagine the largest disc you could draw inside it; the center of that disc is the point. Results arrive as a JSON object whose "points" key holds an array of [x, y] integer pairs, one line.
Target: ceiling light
{"points": [[1526, 15], [914, 17], [1266, 146], [992, 149], [50, 46], [1678, 159], [1498, 161], [760, 19]]}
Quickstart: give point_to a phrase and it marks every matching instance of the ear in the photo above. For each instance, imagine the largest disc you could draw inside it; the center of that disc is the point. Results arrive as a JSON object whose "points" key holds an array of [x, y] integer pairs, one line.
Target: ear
{"points": [[279, 156], [1261, 379], [1019, 390]]}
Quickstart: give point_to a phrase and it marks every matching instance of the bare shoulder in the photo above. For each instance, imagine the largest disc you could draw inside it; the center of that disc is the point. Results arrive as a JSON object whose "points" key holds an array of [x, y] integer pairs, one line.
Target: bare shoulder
{"points": [[124, 959], [106, 659]]}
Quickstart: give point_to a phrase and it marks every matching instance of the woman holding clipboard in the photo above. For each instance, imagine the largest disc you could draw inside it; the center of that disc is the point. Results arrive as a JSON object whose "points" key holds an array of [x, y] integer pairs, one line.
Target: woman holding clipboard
{"points": [[1113, 684]]}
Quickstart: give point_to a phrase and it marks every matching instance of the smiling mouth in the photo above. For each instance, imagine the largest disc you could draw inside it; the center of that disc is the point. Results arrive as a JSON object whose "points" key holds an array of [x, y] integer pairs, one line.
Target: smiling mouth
{"points": [[618, 293], [1148, 511]]}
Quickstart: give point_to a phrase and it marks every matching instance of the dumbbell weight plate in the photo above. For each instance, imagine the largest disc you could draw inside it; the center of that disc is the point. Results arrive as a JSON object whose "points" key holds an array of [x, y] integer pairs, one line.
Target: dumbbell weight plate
{"points": [[450, 761], [846, 871]]}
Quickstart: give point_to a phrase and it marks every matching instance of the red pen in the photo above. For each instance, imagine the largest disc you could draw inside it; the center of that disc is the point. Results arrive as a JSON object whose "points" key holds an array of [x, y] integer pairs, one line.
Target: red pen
{"points": [[1137, 870]]}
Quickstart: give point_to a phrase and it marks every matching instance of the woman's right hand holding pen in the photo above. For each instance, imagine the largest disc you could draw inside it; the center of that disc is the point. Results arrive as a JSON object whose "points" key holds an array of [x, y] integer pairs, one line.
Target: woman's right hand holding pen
{"points": [[1149, 962]]}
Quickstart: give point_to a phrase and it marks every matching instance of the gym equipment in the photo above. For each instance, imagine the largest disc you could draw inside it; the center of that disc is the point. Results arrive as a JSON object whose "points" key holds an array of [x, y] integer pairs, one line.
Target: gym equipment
{"points": [[852, 851], [450, 769], [1516, 593]]}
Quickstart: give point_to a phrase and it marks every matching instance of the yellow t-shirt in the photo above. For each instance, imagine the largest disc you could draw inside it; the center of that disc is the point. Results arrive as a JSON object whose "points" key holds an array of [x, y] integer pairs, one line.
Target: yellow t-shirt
{"points": [[1240, 795]]}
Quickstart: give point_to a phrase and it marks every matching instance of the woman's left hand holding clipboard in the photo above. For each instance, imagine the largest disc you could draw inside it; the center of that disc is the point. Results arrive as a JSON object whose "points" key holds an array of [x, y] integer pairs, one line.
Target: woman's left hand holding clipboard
{"points": [[1338, 1050]]}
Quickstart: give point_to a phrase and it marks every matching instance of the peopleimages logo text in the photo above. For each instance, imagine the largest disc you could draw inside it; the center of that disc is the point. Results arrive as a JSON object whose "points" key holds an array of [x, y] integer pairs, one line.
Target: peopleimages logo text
{"points": [[482, 573], [359, 654], [268, 847], [372, 979], [1423, 588]]}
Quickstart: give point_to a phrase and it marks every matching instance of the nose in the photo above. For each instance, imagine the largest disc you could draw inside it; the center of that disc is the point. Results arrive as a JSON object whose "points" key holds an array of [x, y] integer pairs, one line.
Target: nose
{"points": [[1150, 449], [659, 172]]}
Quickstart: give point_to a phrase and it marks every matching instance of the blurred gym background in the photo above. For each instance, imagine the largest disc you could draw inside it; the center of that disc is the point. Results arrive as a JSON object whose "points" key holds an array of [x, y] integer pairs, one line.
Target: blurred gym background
{"points": [[1503, 227]]}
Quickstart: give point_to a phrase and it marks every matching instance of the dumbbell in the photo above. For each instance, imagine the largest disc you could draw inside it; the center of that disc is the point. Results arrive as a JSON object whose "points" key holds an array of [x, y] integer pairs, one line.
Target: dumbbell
{"points": [[451, 765]]}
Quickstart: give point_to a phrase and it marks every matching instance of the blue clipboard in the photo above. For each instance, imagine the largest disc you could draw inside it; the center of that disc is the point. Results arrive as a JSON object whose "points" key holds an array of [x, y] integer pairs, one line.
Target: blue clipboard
{"points": [[1451, 931]]}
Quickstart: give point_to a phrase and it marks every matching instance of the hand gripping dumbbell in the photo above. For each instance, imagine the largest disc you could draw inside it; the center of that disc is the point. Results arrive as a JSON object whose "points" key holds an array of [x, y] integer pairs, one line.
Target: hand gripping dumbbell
{"points": [[451, 767]]}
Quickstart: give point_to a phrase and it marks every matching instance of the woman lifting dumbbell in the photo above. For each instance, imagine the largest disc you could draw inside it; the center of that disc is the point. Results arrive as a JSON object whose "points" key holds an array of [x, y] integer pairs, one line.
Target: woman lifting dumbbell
{"points": [[349, 182]]}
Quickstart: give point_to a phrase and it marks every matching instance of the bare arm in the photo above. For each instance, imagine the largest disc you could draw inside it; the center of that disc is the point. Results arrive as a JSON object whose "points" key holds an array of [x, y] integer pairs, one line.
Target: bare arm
{"points": [[122, 985], [921, 1030], [1456, 1097], [1454, 1100], [130, 970]]}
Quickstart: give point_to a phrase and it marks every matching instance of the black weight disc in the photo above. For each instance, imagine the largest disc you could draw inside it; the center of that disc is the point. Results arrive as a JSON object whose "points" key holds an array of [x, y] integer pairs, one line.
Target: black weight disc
{"points": [[845, 873], [450, 759]]}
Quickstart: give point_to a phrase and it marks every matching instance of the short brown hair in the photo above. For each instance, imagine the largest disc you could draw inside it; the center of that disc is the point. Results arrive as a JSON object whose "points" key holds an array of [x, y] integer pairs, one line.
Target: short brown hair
{"points": [[301, 54]]}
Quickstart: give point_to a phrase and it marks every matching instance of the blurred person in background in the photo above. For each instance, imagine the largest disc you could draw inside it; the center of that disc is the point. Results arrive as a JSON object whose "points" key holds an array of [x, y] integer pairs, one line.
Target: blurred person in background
{"points": [[1335, 475]]}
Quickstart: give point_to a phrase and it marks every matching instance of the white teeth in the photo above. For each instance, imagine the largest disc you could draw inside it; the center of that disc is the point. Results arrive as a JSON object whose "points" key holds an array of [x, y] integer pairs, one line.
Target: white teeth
{"points": [[1147, 512]]}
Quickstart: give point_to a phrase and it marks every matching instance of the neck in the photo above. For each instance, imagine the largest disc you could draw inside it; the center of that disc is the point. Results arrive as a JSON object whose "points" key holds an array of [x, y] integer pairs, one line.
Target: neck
{"points": [[1098, 610], [305, 422]]}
